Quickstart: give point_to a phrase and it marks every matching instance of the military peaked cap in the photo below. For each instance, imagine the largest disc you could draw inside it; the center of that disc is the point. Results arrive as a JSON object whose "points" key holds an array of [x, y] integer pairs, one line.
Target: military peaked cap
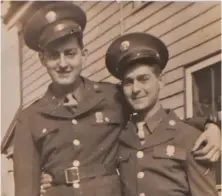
{"points": [[132, 48], [53, 21]]}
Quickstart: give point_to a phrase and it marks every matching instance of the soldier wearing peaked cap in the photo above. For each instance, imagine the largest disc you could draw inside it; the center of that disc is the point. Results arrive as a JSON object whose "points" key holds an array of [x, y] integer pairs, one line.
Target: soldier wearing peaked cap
{"points": [[72, 132], [155, 155]]}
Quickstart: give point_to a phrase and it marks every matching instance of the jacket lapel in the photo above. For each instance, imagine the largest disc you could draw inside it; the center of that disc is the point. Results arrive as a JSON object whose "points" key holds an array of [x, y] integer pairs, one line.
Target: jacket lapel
{"points": [[92, 97], [129, 136], [49, 105], [164, 132], [52, 107]]}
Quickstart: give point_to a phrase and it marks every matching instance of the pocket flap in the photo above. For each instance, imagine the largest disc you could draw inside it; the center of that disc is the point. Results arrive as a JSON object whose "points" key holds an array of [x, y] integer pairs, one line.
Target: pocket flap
{"points": [[46, 129], [169, 152], [124, 156]]}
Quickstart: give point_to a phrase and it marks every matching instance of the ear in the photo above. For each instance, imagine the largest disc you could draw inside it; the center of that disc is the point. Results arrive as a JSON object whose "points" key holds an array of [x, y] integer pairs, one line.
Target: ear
{"points": [[162, 80], [41, 58], [84, 54]]}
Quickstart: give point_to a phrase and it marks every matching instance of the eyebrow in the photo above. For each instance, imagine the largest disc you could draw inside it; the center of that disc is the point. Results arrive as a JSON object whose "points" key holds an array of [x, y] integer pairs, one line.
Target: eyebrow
{"points": [[55, 51], [142, 75]]}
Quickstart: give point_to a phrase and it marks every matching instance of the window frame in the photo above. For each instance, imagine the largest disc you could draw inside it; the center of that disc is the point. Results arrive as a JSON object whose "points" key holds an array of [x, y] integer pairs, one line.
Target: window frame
{"points": [[189, 84]]}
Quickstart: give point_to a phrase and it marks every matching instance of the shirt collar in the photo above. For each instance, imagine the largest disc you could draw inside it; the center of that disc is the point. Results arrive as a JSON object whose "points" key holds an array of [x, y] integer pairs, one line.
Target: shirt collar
{"points": [[153, 121], [78, 91]]}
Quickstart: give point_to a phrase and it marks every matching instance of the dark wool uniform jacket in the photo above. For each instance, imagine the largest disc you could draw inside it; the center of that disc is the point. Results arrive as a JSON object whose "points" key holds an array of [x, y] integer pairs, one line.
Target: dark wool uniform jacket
{"points": [[50, 138], [164, 165]]}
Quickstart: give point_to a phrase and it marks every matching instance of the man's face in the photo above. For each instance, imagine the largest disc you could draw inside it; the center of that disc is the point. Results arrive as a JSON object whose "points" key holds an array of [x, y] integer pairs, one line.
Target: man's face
{"points": [[63, 60], [141, 87]]}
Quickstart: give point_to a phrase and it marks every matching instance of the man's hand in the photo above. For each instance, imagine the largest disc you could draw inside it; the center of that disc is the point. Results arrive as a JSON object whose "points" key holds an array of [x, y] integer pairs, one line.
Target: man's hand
{"points": [[210, 140], [45, 182]]}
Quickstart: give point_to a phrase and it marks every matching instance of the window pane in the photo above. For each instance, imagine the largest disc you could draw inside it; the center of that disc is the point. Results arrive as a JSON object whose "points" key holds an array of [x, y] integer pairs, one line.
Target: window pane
{"points": [[205, 82]]}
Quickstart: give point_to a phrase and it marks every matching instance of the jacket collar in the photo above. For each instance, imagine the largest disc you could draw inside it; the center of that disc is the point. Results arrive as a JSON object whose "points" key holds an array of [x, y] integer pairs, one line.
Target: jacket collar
{"points": [[164, 132], [52, 106]]}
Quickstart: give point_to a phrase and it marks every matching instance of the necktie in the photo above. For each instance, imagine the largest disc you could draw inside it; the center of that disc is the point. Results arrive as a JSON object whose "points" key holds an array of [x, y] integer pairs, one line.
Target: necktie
{"points": [[141, 132], [70, 101]]}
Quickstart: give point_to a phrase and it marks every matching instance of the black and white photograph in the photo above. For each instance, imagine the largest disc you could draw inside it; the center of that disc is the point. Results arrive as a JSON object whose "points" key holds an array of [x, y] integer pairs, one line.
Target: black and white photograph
{"points": [[110, 98]]}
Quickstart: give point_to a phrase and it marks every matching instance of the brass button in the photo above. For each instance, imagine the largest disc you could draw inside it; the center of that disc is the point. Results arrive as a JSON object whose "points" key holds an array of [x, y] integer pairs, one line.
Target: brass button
{"points": [[140, 175], [44, 130], [140, 154], [74, 121], [76, 142], [107, 119], [172, 122], [76, 163]]}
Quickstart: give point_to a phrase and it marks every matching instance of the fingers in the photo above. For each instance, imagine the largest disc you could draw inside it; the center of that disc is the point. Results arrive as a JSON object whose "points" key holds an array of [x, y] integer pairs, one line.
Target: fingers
{"points": [[45, 179], [216, 156], [204, 150], [206, 155], [44, 187], [199, 142], [42, 191]]}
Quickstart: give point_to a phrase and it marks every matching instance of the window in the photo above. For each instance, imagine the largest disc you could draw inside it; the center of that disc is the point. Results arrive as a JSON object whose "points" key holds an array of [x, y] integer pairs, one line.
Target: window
{"points": [[206, 92], [203, 89], [203, 93]]}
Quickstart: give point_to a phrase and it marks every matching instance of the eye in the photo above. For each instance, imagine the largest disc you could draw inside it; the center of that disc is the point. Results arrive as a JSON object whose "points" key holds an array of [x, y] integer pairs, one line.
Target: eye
{"points": [[52, 55], [127, 82], [143, 78], [71, 52]]}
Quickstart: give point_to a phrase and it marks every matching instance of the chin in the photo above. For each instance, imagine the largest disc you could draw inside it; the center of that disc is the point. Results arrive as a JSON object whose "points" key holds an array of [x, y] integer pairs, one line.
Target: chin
{"points": [[139, 107], [64, 82]]}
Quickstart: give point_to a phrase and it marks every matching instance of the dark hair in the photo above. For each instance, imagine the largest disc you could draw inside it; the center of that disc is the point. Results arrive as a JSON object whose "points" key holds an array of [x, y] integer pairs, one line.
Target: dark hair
{"points": [[152, 63], [78, 36]]}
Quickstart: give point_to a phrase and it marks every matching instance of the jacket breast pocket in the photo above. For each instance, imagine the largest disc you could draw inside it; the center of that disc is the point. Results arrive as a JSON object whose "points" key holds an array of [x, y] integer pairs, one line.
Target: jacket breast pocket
{"points": [[45, 132], [170, 152], [123, 157], [170, 159]]}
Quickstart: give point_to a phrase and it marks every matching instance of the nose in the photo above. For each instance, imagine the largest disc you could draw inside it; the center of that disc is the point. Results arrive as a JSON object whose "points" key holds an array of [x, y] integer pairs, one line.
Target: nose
{"points": [[62, 61], [136, 88]]}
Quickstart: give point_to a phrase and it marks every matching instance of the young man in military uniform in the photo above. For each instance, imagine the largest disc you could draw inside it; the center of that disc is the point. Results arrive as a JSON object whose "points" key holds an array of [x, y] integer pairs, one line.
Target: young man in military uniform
{"points": [[156, 155], [72, 132]]}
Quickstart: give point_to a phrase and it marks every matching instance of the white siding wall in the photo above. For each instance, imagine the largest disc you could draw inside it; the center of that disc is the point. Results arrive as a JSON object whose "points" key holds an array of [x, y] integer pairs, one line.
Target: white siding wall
{"points": [[10, 81]]}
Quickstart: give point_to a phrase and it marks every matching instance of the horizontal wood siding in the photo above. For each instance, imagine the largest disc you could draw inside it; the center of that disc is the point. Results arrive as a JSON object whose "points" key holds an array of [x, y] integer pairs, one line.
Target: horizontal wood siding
{"points": [[191, 30]]}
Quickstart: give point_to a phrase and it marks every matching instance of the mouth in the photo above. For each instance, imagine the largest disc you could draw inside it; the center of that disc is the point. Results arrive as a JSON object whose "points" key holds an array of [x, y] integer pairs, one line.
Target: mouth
{"points": [[63, 73], [137, 98]]}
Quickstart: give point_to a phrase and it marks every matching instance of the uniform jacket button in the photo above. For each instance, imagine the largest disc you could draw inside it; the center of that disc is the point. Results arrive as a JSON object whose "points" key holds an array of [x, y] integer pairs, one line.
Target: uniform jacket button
{"points": [[76, 163], [140, 175], [140, 154], [44, 130], [74, 121], [76, 142], [107, 119], [172, 122]]}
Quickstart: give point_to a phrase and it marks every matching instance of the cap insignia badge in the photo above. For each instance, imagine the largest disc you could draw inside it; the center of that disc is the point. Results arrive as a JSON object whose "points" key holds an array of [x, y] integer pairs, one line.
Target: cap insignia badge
{"points": [[124, 46], [50, 16]]}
